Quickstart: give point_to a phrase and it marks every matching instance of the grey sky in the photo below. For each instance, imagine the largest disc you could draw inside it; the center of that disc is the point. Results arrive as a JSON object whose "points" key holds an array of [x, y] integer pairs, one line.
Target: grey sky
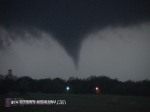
{"points": [[117, 52], [70, 20]]}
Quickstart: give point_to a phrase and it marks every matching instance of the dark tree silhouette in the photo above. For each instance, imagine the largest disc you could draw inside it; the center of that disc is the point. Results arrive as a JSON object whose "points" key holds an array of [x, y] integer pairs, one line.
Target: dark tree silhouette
{"points": [[107, 85]]}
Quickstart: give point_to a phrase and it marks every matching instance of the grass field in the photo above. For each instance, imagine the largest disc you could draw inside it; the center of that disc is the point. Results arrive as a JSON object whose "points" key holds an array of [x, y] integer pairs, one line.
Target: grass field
{"points": [[85, 103]]}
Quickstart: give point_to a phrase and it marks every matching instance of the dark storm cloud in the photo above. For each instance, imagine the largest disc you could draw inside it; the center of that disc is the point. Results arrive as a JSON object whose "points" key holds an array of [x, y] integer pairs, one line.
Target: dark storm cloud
{"points": [[70, 20]]}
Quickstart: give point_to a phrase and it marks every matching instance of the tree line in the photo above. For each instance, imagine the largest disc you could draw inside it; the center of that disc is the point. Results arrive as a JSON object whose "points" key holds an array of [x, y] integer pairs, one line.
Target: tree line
{"points": [[107, 85]]}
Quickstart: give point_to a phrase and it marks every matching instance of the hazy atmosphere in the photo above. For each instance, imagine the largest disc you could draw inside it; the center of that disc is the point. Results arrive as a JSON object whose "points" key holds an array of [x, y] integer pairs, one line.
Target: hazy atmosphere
{"points": [[80, 38]]}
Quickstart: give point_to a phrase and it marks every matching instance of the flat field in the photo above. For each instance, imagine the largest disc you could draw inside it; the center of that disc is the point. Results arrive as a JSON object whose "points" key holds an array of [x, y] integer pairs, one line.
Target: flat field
{"points": [[83, 103]]}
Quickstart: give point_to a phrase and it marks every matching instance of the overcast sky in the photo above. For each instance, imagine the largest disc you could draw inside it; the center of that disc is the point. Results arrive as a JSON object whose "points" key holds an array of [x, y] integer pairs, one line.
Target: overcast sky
{"points": [[64, 38]]}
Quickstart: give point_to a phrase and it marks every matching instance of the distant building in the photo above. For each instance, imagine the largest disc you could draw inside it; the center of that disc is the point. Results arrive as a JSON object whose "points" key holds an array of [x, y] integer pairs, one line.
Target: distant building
{"points": [[10, 72], [10, 75]]}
